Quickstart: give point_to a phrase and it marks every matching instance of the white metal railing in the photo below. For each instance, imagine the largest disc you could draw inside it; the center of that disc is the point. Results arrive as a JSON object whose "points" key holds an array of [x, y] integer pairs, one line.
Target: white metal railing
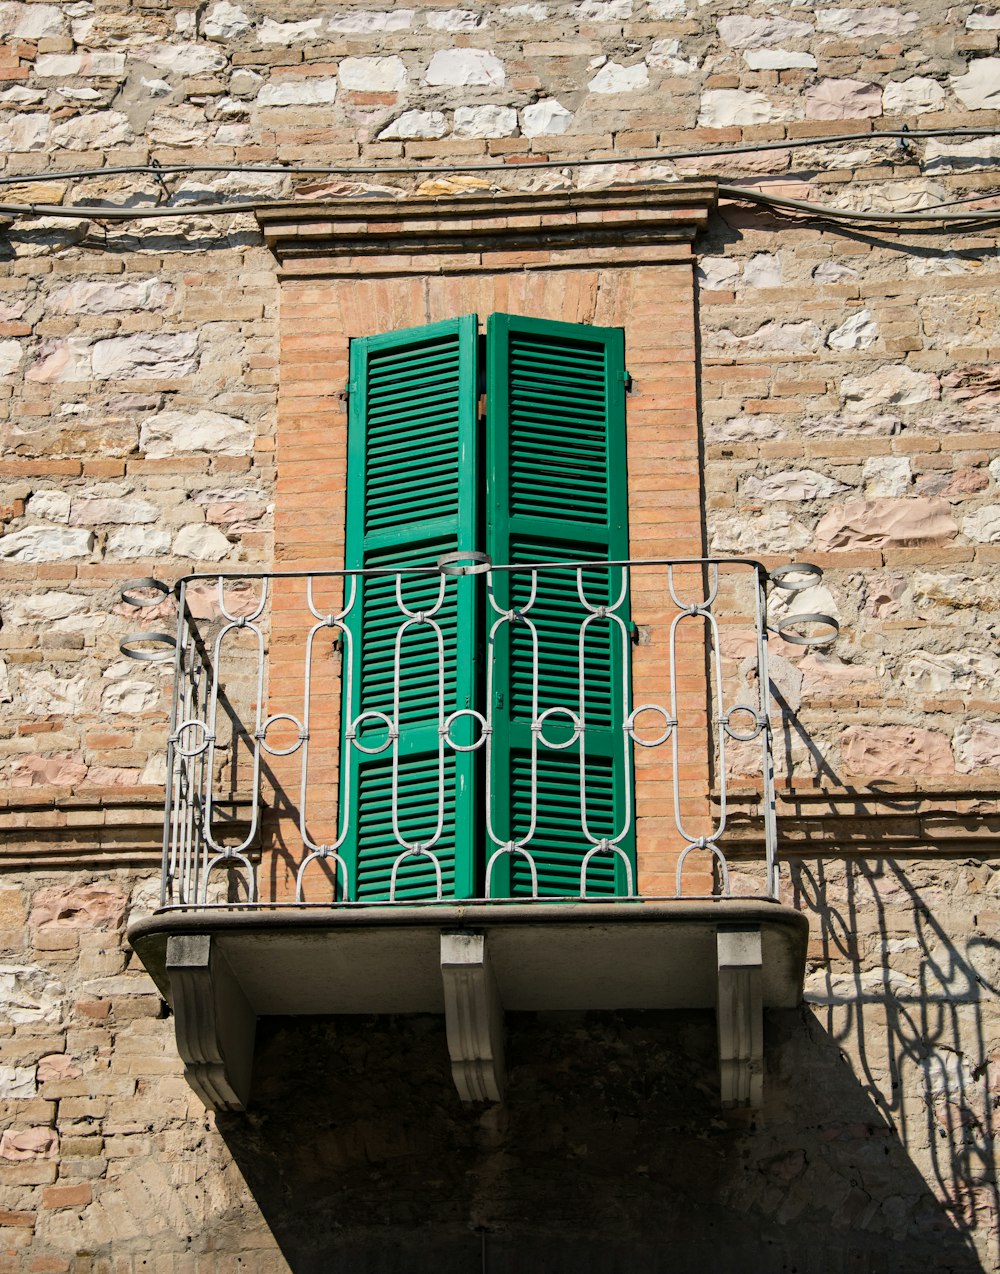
{"points": [[688, 639]]}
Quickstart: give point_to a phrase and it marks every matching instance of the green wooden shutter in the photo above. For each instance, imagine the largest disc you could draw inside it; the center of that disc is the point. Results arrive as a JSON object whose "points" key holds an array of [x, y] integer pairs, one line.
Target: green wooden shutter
{"points": [[557, 491], [412, 496]]}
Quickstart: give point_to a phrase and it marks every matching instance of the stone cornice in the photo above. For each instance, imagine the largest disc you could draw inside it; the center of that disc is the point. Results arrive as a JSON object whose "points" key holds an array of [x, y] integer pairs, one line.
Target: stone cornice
{"points": [[489, 232]]}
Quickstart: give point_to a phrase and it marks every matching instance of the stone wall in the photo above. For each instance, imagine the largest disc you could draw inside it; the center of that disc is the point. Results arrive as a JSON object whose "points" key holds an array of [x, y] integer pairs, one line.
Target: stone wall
{"points": [[849, 392]]}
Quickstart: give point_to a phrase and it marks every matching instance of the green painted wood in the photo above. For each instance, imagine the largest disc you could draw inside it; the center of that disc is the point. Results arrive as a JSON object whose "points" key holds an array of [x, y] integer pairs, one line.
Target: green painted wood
{"points": [[557, 491], [413, 495]]}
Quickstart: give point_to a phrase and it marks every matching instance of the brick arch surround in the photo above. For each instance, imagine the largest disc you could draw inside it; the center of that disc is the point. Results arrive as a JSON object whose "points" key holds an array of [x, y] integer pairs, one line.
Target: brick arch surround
{"points": [[621, 259]]}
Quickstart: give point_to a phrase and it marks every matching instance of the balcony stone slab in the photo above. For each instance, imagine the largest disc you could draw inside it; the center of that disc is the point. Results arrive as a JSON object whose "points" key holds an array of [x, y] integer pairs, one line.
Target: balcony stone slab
{"points": [[470, 963]]}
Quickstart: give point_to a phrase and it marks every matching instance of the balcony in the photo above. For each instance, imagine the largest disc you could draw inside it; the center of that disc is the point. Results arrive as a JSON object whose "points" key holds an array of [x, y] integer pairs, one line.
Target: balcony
{"points": [[464, 789]]}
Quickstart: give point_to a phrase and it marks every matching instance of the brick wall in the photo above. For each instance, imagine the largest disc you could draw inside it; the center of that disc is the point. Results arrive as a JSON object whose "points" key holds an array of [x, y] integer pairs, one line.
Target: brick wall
{"points": [[847, 408]]}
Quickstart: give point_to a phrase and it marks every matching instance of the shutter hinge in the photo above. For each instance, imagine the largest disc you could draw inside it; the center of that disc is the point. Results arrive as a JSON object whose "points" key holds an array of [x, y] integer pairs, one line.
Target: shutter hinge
{"points": [[627, 380]]}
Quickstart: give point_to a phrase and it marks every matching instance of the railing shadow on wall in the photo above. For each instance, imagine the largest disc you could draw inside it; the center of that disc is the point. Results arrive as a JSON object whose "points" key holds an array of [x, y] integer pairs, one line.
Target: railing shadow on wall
{"points": [[910, 1013]]}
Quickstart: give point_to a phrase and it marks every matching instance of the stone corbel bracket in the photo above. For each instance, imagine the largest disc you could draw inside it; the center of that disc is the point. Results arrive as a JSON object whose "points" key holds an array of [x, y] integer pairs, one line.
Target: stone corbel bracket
{"points": [[473, 1017], [740, 1015], [476, 233], [214, 1023]]}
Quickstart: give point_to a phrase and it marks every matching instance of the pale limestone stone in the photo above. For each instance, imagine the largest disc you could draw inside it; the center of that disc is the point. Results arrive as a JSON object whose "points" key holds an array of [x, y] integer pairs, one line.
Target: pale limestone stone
{"points": [[171, 433], [93, 132], [661, 9], [101, 296], [896, 384], [547, 117], [43, 608], [20, 133], [977, 746], [603, 10], [17, 1083], [956, 592], [416, 124], [179, 126], [718, 274], [60, 361], [11, 353], [525, 13], [861, 523], [129, 698], [459, 68], [857, 23], [364, 22], [98, 511], [615, 78], [138, 541], [46, 544], [202, 542], [732, 107], [778, 60], [288, 33], [374, 74], [183, 59], [668, 55], [308, 90], [914, 96], [886, 476], [44, 693], [793, 484], [29, 1143], [149, 355], [994, 468], [983, 525], [21, 96], [763, 270], [967, 671], [859, 331], [895, 751], [62, 770], [225, 21], [979, 88], [843, 99], [983, 18], [785, 338], [772, 531], [744, 429], [742, 32], [455, 20], [33, 21], [65, 65], [485, 121], [971, 156], [6, 694], [91, 906], [245, 83]]}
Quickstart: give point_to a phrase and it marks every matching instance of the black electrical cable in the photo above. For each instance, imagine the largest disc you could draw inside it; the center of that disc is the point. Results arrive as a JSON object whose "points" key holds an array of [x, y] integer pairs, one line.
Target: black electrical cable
{"points": [[118, 212]]}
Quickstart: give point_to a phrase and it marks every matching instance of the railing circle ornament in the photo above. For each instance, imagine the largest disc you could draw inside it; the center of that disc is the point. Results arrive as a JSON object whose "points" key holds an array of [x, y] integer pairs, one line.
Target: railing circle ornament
{"points": [[281, 716], [795, 577], [468, 562], [742, 736], [787, 626], [131, 587], [631, 722], [465, 747], [373, 715], [131, 649], [194, 727], [539, 727]]}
